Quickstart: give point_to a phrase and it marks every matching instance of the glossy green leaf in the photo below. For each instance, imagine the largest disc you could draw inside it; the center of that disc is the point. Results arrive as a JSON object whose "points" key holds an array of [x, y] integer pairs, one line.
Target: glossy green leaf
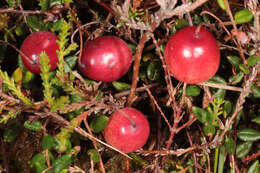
{"points": [[217, 79], [132, 48], [197, 19], [35, 23], [93, 154], [244, 68], [234, 60], [222, 4], [48, 142], [99, 123], [192, 90], [256, 91], [248, 135], [27, 77], [230, 145], [55, 2], [39, 162], [252, 60], [209, 130], [57, 25], [121, 86], [11, 133], [61, 163], [63, 144], [200, 114], [220, 93], [138, 159], [44, 4], [243, 16], [153, 71], [34, 126], [237, 78], [71, 62], [181, 23], [256, 119], [243, 149], [227, 108], [254, 168]]}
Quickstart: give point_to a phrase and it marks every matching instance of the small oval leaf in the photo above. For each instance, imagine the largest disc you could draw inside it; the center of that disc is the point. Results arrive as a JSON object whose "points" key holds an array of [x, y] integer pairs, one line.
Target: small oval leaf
{"points": [[93, 154], [230, 145], [252, 60], [254, 168], [237, 78], [192, 91], [153, 71], [256, 119], [99, 123], [200, 114], [34, 126], [209, 130], [244, 68], [243, 149], [234, 60], [48, 142], [222, 4], [243, 16], [249, 135], [121, 86]]}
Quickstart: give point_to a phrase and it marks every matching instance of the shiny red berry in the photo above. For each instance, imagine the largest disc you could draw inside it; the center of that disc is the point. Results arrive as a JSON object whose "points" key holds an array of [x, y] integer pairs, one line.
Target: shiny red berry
{"points": [[36, 43], [106, 58], [127, 130], [192, 55]]}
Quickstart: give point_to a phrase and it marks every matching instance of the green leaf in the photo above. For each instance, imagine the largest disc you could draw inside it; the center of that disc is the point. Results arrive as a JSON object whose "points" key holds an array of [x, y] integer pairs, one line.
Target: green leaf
{"points": [[61, 163], [44, 4], [230, 145], [99, 123], [222, 4], [48, 142], [138, 159], [35, 23], [197, 19], [252, 60], [254, 168], [248, 135], [70, 63], [93, 154], [18, 75], [256, 91], [63, 144], [244, 68], [209, 130], [243, 149], [181, 23], [227, 108], [39, 162], [256, 119], [237, 78], [34, 126], [234, 60], [192, 90], [243, 16], [121, 86], [200, 114], [217, 79], [153, 71], [132, 48], [75, 98]]}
